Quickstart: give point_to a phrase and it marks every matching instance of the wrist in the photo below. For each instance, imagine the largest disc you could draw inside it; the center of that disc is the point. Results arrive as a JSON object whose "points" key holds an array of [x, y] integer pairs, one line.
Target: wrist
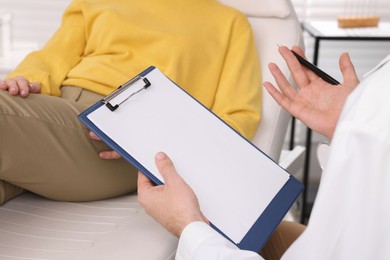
{"points": [[188, 221]]}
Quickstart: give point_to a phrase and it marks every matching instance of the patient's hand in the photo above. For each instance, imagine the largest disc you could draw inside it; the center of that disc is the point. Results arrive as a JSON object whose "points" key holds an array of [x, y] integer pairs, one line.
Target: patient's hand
{"points": [[107, 155], [316, 103], [20, 86]]}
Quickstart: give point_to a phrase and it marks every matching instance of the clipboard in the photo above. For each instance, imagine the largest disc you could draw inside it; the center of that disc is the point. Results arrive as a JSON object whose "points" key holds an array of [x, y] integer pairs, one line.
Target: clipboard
{"points": [[243, 193]]}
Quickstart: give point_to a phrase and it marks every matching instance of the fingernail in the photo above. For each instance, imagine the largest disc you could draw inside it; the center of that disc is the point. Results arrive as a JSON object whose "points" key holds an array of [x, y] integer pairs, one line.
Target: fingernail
{"points": [[2, 82], [23, 92], [161, 156]]}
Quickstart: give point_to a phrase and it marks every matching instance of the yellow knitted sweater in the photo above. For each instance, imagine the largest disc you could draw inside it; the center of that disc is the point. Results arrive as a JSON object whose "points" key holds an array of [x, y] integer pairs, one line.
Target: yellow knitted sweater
{"points": [[202, 45]]}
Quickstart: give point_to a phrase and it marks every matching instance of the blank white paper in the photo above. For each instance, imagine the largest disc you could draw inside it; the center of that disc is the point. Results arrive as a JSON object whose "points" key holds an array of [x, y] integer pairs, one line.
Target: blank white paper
{"points": [[233, 180]]}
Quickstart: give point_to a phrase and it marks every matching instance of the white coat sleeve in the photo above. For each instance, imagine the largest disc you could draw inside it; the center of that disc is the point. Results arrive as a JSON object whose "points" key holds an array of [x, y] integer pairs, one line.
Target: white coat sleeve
{"points": [[199, 241], [351, 214]]}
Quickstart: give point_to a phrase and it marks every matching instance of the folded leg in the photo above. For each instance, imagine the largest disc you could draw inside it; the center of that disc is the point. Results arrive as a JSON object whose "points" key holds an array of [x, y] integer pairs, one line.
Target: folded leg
{"points": [[46, 150]]}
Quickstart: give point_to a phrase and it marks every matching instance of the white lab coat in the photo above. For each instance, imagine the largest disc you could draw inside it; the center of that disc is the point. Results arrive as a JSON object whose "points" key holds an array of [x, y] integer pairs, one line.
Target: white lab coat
{"points": [[351, 214]]}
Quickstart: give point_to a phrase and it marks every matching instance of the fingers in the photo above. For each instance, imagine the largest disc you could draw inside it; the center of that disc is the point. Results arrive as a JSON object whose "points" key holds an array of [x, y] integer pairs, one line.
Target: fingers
{"points": [[24, 88], [312, 76], [35, 87], [147, 192], [94, 136], [165, 167], [298, 50], [279, 98], [12, 86], [297, 72], [143, 182], [20, 86], [348, 70], [281, 81], [3, 85], [106, 155], [109, 155]]}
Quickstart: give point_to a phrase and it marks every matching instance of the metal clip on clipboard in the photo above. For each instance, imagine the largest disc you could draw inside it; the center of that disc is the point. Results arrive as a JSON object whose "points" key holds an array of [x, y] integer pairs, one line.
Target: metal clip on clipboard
{"points": [[122, 88]]}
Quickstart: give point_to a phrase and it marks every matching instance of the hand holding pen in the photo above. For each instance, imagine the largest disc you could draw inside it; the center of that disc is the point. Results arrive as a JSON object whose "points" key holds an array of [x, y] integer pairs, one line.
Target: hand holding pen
{"points": [[315, 101], [314, 68]]}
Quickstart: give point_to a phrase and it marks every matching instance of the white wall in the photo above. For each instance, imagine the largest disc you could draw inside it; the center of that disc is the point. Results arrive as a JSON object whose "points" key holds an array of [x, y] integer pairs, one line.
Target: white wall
{"points": [[33, 20], [32, 24]]}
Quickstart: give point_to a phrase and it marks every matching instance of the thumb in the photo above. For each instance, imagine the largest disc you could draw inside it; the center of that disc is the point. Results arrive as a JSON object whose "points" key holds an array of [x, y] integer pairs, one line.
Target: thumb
{"points": [[165, 167], [348, 71], [94, 136], [35, 87]]}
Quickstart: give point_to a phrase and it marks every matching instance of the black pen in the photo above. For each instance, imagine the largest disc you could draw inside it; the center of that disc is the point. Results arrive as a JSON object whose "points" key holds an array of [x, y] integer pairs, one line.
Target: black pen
{"points": [[314, 68]]}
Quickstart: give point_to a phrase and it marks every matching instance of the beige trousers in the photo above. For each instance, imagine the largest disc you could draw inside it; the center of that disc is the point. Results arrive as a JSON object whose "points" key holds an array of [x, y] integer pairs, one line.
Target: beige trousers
{"points": [[46, 150]]}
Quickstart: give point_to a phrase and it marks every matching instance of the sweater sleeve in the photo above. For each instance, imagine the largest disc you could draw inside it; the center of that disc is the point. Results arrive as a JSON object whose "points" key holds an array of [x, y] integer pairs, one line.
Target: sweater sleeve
{"points": [[50, 65], [238, 99]]}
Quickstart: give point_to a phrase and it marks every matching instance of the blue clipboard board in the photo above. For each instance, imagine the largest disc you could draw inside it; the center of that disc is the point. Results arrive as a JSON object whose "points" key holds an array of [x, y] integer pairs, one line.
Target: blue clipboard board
{"points": [[245, 194]]}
